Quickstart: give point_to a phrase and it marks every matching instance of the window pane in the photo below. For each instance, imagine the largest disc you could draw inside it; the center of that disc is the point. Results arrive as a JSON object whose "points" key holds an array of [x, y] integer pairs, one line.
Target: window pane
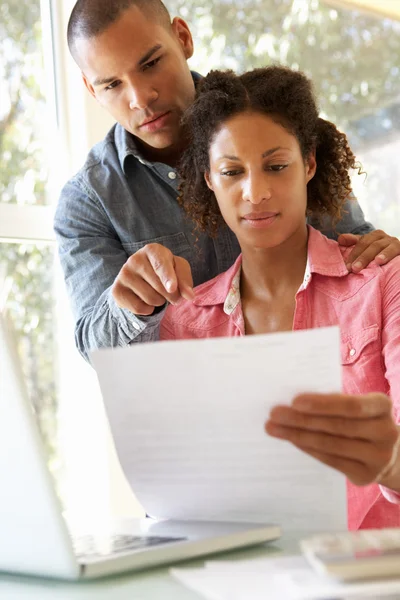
{"points": [[24, 120], [352, 57], [26, 282]]}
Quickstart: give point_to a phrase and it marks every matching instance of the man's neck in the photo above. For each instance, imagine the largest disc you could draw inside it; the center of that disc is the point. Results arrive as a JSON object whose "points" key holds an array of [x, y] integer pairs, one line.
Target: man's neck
{"points": [[170, 156]]}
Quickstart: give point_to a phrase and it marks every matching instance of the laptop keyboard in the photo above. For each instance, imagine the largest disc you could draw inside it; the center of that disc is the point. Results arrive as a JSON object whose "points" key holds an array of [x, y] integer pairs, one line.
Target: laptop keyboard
{"points": [[92, 546]]}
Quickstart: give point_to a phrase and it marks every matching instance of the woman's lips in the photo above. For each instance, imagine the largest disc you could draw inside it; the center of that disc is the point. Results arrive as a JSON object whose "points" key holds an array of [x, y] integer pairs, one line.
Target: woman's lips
{"points": [[260, 220]]}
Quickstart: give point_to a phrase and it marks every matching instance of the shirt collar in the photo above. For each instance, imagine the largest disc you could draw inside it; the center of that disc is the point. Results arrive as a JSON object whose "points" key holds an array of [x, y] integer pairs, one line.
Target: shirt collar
{"points": [[324, 257], [127, 144]]}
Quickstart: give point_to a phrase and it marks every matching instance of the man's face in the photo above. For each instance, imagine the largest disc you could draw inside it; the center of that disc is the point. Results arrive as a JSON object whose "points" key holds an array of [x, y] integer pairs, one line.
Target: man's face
{"points": [[137, 71]]}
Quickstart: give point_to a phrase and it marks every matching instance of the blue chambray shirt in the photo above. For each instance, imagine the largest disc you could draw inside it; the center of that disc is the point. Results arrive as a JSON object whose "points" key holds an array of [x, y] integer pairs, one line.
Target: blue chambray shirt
{"points": [[116, 204]]}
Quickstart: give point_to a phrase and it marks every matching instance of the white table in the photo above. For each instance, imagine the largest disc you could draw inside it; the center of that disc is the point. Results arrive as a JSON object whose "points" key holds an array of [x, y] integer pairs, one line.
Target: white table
{"points": [[153, 584]]}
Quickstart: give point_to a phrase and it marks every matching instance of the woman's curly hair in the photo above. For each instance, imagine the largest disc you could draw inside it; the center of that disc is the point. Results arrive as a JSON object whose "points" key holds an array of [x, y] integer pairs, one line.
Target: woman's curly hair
{"points": [[288, 97]]}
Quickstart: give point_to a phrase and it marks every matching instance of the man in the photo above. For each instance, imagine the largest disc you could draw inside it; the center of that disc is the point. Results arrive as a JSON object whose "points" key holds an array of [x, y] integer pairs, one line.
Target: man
{"points": [[125, 245]]}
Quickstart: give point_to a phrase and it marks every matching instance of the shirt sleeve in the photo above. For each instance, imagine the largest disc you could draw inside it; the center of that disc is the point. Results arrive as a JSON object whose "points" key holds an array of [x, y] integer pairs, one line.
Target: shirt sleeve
{"points": [[91, 257], [352, 221], [391, 345]]}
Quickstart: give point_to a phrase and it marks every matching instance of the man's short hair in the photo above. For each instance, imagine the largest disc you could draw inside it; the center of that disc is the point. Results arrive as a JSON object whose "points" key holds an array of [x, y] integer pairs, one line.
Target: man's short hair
{"points": [[89, 18]]}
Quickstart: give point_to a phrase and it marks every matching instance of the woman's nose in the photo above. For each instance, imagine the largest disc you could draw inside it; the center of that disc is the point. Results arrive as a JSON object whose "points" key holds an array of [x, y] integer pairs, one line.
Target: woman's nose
{"points": [[256, 190]]}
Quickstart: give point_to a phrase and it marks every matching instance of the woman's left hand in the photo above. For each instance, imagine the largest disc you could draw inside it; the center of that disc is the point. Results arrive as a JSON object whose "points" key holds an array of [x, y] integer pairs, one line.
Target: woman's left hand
{"points": [[353, 434]]}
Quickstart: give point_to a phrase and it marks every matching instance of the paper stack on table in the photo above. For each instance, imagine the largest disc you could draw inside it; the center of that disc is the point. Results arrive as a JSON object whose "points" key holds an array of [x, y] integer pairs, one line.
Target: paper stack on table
{"points": [[287, 577], [188, 419]]}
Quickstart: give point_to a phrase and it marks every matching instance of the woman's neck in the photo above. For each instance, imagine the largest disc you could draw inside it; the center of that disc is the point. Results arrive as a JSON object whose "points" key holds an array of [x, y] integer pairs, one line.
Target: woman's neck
{"points": [[269, 273]]}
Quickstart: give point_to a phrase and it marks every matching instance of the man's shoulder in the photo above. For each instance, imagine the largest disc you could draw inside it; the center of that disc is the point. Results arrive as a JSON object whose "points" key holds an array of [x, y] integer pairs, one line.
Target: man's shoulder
{"points": [[103, 154]]}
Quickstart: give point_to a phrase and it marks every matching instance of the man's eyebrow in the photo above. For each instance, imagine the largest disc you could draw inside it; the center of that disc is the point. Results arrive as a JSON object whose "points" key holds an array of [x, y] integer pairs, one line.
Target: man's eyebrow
{"points": [[103, 81], [149, 54], [264, 154], [107, 80]]}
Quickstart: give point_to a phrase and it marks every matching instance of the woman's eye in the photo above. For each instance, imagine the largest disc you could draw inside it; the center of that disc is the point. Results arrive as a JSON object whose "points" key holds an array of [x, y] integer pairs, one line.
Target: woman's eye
{"points": [[277, 168], [152, 63]]}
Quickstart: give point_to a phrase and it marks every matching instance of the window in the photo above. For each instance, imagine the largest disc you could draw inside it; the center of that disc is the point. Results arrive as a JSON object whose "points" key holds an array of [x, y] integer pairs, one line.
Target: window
{"points": [[27, 117]]}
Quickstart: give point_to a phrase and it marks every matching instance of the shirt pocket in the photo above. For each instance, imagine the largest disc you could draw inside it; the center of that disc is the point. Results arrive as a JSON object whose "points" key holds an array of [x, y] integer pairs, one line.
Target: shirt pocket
{"points": [[362, 362]]}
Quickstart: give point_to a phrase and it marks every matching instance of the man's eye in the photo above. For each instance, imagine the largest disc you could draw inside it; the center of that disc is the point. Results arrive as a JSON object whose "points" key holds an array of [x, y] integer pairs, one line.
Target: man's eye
{"points": [[152, 63], [230, 173], [112, 85]]}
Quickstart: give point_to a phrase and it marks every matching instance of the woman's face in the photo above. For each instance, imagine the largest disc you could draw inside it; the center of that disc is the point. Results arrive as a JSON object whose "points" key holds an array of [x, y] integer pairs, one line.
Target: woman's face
{"points": [[259, 178]]}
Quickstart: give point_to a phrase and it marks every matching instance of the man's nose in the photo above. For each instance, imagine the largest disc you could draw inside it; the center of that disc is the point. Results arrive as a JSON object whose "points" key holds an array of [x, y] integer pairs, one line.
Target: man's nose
{"points": [[141, 98]]}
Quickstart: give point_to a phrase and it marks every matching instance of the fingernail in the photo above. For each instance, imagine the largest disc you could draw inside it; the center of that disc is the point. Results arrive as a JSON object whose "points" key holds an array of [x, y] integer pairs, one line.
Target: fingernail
{"points": [[348, 266], [302, 404], [357, 266], [381, 257], [168, 285], [188, 294], [274, 430]]}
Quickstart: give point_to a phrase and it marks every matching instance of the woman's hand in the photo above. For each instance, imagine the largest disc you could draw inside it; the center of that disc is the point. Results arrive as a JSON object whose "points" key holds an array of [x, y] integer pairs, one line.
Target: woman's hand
{"points": [[376, 245], [353, 434]]}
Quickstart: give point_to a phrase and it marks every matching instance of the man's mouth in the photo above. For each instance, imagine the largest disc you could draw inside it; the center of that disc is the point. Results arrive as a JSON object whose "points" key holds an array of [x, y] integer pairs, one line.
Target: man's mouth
{"points": [[155, 122]]}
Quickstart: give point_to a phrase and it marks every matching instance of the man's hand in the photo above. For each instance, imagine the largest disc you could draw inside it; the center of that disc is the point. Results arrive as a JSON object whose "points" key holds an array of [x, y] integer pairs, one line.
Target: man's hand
{"points": [[355, 435], [150, 277], [376, 245]]}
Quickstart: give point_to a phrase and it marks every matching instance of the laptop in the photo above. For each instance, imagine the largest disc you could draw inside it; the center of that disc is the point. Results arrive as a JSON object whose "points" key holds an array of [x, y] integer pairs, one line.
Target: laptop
{"points": [[34, 537]]}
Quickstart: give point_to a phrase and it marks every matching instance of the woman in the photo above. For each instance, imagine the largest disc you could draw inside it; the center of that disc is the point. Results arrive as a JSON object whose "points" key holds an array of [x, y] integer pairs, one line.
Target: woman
{"points": [[260, 159]]}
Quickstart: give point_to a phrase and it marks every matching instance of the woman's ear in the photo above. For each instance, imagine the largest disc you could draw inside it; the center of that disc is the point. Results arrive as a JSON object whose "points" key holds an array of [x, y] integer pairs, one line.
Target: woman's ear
{"points": [[208, 180], [311, 166]]}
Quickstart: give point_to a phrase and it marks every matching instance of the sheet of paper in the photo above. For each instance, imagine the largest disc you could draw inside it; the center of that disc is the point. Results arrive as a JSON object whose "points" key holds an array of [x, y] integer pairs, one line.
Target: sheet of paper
{"points": [[188, 424], [229, 585], [294, 576], [289, 577], [239, 580]]}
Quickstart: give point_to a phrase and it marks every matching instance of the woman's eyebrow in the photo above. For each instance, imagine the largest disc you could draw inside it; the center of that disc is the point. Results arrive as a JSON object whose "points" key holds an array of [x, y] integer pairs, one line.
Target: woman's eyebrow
{"points": [[263, 155]]}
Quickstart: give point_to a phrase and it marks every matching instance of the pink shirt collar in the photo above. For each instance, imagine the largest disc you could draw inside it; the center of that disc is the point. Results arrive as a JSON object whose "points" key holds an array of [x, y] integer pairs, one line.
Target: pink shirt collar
{"points": [[324, 257]]}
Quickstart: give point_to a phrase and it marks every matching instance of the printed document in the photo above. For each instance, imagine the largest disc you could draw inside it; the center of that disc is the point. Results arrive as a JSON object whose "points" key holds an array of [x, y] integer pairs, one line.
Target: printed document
{"points": [[188, 419]]}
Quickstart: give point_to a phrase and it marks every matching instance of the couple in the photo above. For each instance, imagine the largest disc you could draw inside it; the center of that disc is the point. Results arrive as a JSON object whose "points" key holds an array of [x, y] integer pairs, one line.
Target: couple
{"points": [[257, 155], [259, 160]]}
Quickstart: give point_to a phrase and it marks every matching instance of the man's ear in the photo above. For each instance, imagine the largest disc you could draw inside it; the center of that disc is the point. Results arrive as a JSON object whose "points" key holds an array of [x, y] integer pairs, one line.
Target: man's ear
{"points": [[88, 85], [184, 36], [208, 180], [311, 166]]}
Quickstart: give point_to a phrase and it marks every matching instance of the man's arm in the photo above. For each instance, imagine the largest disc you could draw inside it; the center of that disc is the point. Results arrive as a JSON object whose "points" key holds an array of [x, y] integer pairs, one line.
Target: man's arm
{"points": [[352, 221], [353, 230], [91, 256]]}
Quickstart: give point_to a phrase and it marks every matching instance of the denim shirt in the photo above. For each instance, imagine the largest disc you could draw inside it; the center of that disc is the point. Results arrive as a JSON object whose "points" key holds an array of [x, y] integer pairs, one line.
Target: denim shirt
{"points": [[116, 204]]}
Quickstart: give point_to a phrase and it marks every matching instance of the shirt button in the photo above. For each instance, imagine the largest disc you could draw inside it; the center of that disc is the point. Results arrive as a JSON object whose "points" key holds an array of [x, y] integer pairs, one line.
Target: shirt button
{"points": [[352, 352], [172, 175]]}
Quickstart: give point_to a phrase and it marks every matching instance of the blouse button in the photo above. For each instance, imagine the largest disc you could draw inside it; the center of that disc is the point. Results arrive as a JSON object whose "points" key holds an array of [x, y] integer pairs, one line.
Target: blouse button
{"points": [[352, 352]]}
